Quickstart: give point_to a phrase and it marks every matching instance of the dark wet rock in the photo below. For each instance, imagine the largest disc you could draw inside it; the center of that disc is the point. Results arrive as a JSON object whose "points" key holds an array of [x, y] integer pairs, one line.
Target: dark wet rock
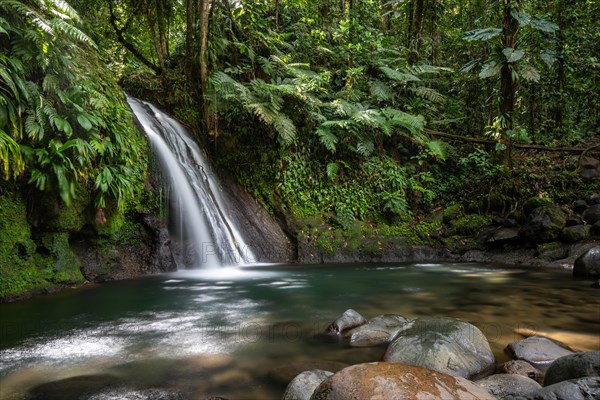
{"points": [[303, 386], [284, 374], [579, 206], [504, 235], [592, 214], [446, 345], [589, 174], [534, 203], [552, 251], [523, 368], [509, 223], [575, 389], [506, 386], [348, 320], [538, 351], [574, 221], [75, 387], [572, 234], [594, 199], [544, 224], [392, 381], [596, 284], [574, 366], [378, 330], [588, 264]]}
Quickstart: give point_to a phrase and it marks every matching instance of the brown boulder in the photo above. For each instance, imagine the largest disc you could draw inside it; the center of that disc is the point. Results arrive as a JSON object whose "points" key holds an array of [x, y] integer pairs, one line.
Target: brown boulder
{"points": [[393, 381]]}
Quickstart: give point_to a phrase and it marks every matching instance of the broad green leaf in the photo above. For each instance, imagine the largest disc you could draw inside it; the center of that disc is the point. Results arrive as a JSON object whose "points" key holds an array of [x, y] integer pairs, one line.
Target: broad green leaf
{"points": [[469, 66], [548, 57], [482, 34], [513, 55], [84, 122], [544, 25], [490, 69], [522, 18], [530, 73]]}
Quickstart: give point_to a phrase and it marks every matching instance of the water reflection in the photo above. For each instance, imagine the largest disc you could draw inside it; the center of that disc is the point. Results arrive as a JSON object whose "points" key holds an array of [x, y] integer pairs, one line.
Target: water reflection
{"points": [[258, 318]]}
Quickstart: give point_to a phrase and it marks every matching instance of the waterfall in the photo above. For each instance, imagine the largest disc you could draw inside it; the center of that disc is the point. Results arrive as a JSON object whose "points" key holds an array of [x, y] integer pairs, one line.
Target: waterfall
{"points": [[204, 232]]}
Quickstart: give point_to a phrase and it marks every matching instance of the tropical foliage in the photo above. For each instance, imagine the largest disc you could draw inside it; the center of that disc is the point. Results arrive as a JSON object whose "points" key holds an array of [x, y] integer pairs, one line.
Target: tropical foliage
{"points": [[63, 121]]}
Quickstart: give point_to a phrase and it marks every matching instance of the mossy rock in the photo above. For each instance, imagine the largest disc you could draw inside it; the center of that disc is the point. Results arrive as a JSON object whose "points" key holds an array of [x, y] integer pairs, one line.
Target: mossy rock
{"points": [[468, 225], [535, 202], [65, 266], [452, 212]]}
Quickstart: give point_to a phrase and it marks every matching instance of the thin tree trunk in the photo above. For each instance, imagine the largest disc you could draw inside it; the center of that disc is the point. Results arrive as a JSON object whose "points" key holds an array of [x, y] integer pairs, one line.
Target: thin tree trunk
{"points": [[204, 15], [189, 39]]}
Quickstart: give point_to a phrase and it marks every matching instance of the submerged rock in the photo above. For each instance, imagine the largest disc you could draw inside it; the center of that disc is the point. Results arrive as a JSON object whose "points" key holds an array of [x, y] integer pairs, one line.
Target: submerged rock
{"points": [[447, 345], [578, 365], [507, 386], [83, 386], [523, 368], [348, 320], [284, 374], [588, 264], [538, 351], [304, 385], [575, 389], [392, 381], [378, 330]]}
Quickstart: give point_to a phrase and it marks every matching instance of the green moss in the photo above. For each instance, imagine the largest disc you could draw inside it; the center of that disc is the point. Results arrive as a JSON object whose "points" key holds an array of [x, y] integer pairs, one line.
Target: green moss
{"points": [[452, 212], [468, 225], [75, 216], [25, 267], [64, 265]]}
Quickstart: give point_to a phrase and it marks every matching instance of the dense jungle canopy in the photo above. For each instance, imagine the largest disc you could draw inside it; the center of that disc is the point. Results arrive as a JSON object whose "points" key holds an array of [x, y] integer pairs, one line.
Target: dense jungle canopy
{"points": [[349, 110]]}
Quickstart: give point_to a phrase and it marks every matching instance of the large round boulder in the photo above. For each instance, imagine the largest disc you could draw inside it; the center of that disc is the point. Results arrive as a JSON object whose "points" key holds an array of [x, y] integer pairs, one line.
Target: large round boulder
{"points": [[508, 386], [348, 320], [447, 345], [592, 214], [588, 264], [303, 385], [544, 224], [523, 368], [392, 381], [377, 331], [285, 373], [575, 389], [537, 350], [578, 365]]}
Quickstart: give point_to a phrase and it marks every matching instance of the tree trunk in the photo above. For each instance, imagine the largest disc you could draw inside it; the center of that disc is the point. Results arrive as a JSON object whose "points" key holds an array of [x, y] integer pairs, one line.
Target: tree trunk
{"points": [[204, 15], [189, 39]]}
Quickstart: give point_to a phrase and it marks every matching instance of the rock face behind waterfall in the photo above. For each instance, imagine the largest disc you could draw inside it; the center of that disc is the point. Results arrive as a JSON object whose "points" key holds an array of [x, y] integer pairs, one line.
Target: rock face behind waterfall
{"points": [[263, 234]]}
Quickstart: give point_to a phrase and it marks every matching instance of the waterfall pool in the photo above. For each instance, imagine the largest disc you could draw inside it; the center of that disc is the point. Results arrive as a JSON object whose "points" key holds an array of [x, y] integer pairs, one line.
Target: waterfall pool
{"points": [[200, 333]]}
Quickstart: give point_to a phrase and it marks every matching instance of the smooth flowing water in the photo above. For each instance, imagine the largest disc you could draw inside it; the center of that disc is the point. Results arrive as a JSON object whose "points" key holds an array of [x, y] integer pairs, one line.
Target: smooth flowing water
{"points": [[205, 230], [194, 334]]}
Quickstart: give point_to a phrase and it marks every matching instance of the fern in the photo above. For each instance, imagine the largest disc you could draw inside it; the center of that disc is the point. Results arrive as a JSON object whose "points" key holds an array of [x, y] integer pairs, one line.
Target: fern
{"points": [[398, 76], [429, 94], [381, 91], [327, 138]]}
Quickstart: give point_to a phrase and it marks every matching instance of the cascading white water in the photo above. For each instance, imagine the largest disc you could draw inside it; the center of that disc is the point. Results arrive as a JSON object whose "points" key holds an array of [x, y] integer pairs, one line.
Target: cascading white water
{"points": [[207, 236]]}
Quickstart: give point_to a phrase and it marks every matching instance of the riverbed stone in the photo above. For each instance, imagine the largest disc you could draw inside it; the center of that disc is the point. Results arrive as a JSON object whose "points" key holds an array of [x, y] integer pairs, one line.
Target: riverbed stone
{"points": [[446, 345], [579, 206], [577, 233], [538, 351], [574, 366], [285, 373], [523, 368], [377, 331], [503, 235], [507, 386], [303, 385], [592, 214], [75, 387], [348, 320], [574, 389], [393, 381], [588, 264], [544, 224]]}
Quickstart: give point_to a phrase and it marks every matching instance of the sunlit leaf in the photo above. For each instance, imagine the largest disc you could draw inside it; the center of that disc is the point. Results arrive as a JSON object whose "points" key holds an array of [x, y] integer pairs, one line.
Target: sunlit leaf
{"points": [[512, 55], [490, 69], [482, 34], [530, 73]]}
